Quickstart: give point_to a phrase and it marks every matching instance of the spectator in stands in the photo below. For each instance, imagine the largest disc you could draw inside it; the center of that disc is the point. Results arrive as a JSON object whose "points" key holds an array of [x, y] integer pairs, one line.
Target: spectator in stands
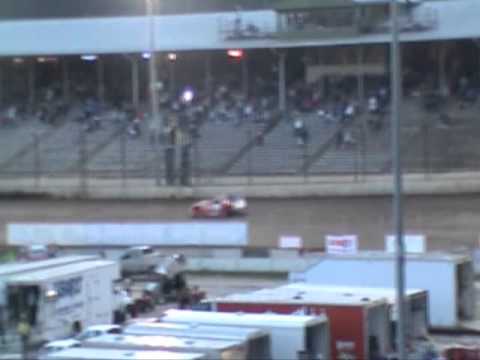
{"points": [[49, 94], [339, 139], [373, 104], [383, 97], [155, 128], [348, 139], [300, 131], [349, 112], [134, 129], [260, 135], [248, 112], [11, 114], [462, 86], [338, 110]]}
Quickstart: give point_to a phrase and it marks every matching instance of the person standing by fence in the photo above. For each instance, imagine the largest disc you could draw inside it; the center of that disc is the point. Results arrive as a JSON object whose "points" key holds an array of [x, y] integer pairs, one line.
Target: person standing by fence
{"points": [[24, 330]]}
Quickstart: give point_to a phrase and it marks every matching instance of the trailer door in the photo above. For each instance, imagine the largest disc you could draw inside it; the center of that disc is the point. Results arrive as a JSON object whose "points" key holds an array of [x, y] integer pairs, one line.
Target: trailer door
{"points": [[98, 295]]}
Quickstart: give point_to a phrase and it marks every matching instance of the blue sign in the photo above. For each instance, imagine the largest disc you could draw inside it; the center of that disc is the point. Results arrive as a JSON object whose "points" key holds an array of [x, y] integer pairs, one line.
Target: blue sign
{"points": [[68, 288]]}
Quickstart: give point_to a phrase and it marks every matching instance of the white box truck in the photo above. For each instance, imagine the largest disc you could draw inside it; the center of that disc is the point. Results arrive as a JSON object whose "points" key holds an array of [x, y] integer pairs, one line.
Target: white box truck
{"points": [[60, 301], [19, 267], [291, 336], [116, 354], [258, 341], [214, 349], [24, 266], [448, 278]]}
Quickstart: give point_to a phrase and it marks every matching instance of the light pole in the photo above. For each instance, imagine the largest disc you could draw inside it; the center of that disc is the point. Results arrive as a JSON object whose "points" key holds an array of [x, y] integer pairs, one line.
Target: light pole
{"points": [[396, 93], [152, 73]]}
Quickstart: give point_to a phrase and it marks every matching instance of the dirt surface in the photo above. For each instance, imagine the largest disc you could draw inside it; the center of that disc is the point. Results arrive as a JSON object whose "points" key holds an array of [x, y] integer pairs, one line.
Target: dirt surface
{"points": [[448, 221]]}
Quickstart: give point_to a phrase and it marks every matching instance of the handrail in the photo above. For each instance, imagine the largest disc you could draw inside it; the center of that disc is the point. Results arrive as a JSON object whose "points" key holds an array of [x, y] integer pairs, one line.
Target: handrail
{"points": [[323, 148], [230, 163]]}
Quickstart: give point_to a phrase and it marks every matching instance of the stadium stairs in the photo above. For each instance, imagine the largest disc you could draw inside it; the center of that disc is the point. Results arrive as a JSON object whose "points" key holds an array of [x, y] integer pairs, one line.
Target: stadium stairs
{"points": [[240, 155], [280, 152], [20, 149]]}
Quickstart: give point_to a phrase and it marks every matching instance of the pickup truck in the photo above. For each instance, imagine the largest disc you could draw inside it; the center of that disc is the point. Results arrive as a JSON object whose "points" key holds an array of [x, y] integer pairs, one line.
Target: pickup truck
{"points": [[144, 259]]}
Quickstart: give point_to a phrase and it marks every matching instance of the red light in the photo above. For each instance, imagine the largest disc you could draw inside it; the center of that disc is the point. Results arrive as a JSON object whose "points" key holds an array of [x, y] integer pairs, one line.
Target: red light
{"points": [[235, 53]]}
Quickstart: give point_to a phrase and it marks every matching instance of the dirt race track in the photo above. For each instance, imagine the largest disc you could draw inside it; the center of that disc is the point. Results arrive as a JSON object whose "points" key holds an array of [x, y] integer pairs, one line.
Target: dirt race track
{"points": [[448, 221]]}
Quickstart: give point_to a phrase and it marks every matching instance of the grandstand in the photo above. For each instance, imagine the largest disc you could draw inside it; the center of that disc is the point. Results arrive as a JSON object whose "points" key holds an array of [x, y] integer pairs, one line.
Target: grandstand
{"points": [[332, 60]]}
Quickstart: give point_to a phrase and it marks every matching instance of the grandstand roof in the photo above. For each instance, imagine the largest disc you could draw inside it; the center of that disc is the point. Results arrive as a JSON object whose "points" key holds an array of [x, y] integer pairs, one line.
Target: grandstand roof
{"points": [[312, 4], [130, 34]]}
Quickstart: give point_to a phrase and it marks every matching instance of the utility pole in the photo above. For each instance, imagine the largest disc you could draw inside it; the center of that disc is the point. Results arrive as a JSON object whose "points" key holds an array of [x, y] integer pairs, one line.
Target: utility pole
{"points": [[396, 93]]}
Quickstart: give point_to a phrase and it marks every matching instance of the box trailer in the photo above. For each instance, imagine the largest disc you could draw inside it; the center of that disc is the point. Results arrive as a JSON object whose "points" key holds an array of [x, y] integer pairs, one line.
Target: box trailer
{"points": [[416, 302], [61, 300], [24, 266], [448, 278], [359, 325], [212, 348], [20, 267], [112, 354], [291, 336], [257, 341]]}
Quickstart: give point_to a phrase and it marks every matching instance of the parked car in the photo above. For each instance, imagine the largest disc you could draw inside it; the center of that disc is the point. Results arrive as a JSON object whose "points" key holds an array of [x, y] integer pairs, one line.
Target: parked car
{"points": [[90, 332], [228, 206], [58, 345]]}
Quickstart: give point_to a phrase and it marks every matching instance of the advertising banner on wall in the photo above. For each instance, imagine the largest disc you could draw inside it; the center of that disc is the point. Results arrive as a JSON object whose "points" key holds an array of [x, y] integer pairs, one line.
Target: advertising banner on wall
{"points": [[290, 242], [156, 234], [414, 243], [341, 244]]}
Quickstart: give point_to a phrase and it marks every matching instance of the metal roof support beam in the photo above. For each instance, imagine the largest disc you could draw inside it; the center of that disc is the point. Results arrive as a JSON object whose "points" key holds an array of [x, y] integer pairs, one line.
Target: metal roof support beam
{"points": [[100, 80], [135, 82], [282, 85], [1, 82], [31, 83], [65, 80], [245, 75]]}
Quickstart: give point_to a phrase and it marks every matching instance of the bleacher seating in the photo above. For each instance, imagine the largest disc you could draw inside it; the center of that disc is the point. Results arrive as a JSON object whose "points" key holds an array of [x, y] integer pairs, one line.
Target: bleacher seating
{"points": [[448, 147], [280, 152]]}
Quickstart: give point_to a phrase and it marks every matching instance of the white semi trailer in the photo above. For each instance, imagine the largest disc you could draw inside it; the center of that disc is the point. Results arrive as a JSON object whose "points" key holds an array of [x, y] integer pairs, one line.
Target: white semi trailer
{"points": [[214, 349], [291, 336], [117, 354], [258, 341], [448, 278], [61, 300]]}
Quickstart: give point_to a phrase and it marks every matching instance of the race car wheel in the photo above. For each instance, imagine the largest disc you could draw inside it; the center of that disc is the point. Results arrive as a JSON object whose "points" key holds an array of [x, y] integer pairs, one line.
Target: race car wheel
{"points": [[196, 212]]}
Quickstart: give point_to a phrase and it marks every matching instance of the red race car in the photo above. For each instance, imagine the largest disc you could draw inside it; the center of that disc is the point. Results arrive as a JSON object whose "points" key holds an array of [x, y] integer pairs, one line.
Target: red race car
{"points": [[227, 206]]}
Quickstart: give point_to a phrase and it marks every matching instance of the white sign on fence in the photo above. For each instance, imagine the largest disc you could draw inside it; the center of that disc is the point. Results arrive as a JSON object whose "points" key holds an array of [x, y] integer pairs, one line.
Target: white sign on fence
{"points": [[290, 242], [414, 243], [341, 244], [168, 234]]}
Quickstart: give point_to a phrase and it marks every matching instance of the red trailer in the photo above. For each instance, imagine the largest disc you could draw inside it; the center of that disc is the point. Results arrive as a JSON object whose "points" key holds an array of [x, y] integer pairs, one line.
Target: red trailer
{"points": [[359, 325]]}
